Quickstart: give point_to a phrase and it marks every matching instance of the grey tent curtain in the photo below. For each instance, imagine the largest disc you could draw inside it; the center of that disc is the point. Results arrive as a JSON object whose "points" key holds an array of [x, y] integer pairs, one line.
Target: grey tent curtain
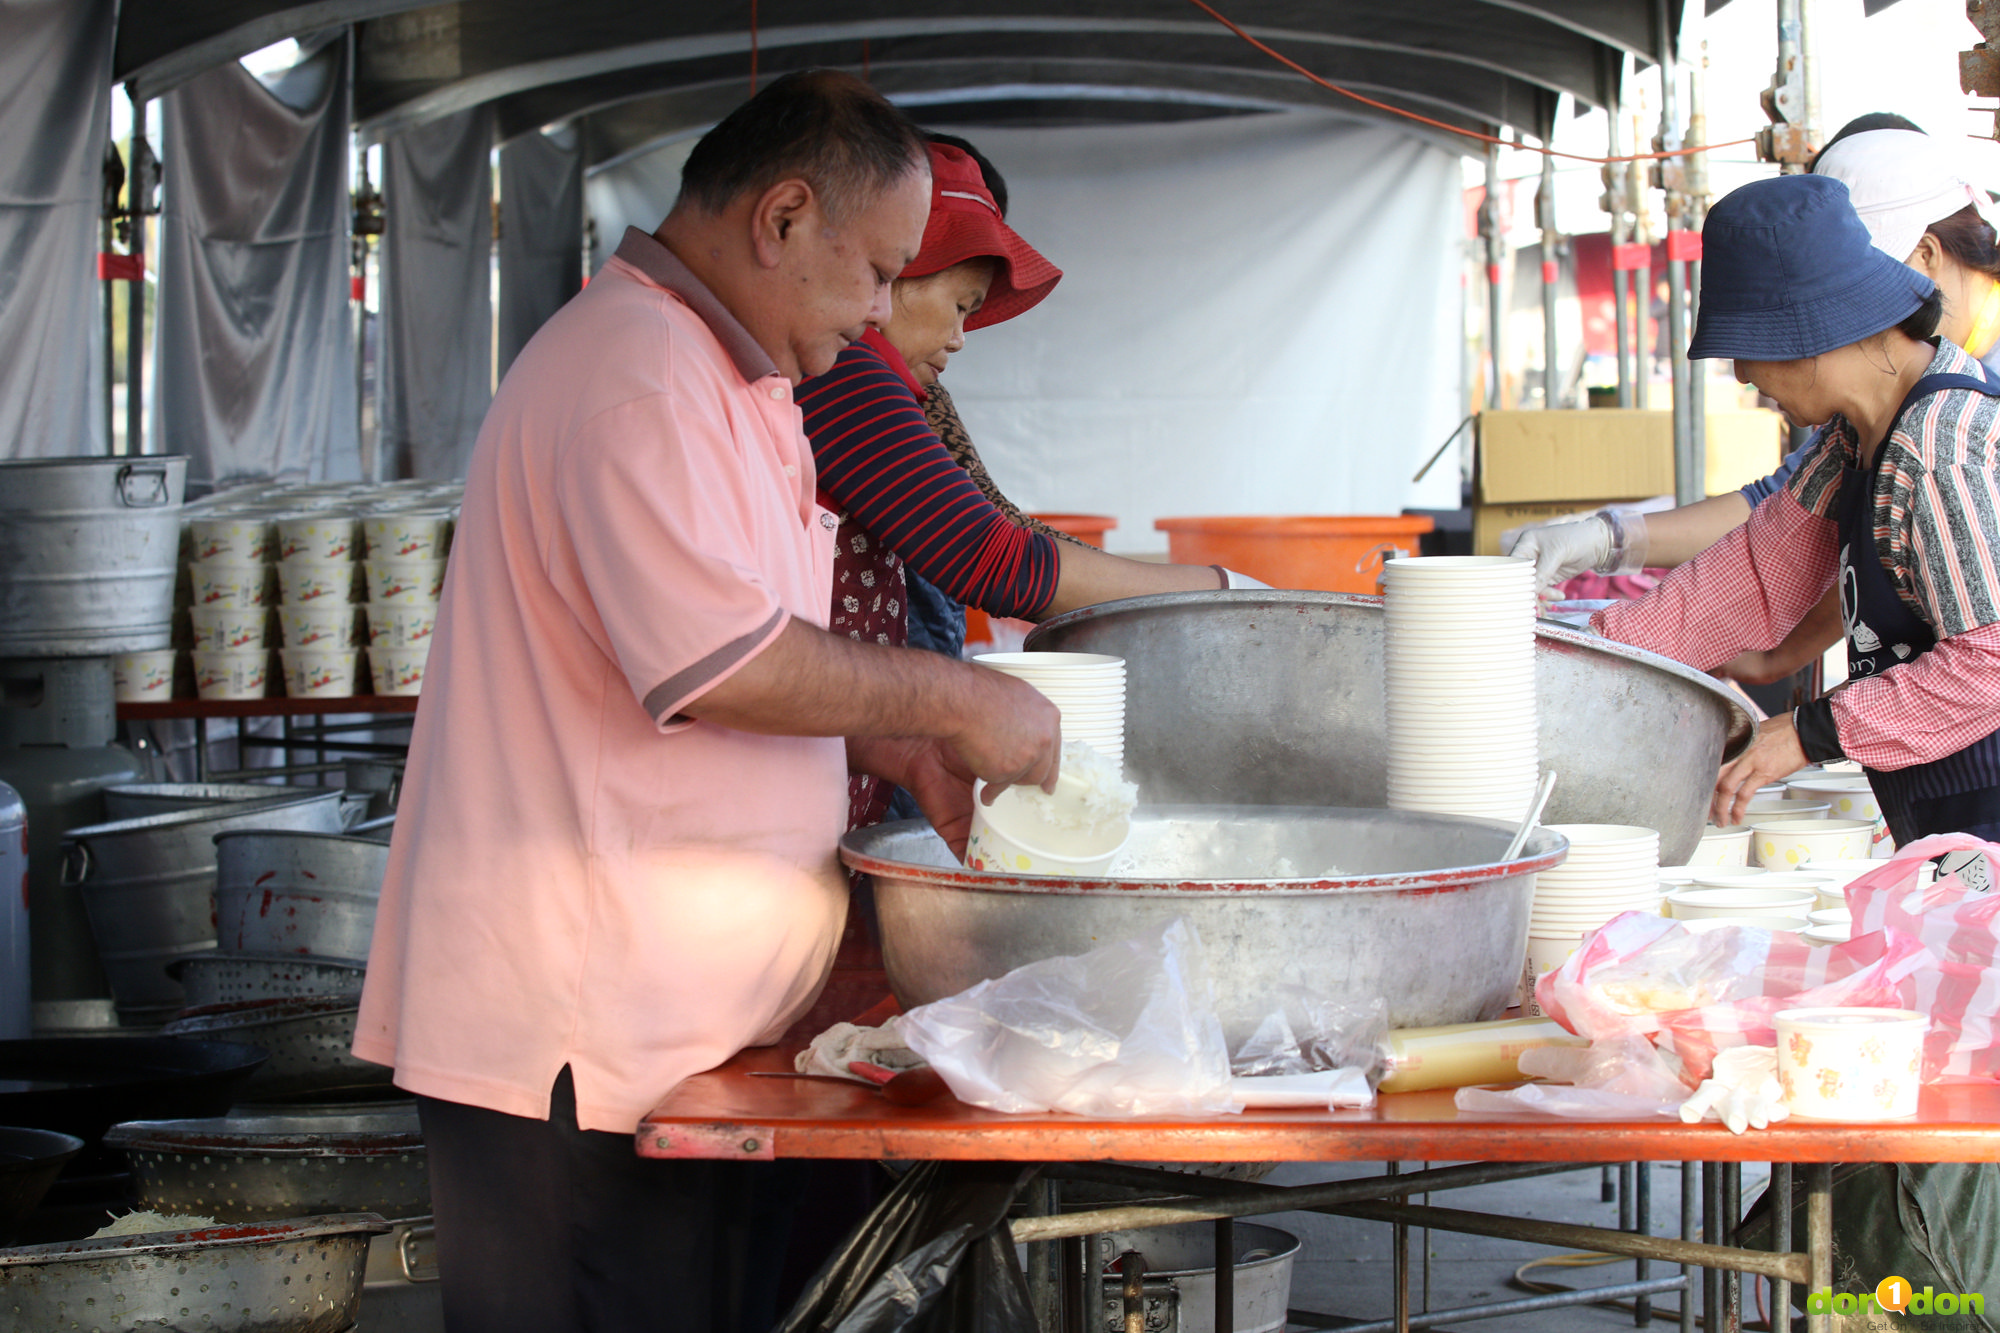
{"points": [[541, 233], [55, 81], [255, 345], [437, 303]]}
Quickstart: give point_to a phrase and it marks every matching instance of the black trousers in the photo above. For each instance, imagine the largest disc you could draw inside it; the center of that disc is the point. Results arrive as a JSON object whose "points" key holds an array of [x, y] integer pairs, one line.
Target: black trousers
{"points": [[546, 1228]]}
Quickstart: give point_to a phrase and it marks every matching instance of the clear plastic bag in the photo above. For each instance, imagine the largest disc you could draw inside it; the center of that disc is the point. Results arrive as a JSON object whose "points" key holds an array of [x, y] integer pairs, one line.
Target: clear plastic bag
{"points": [[1616, 1078], [1129, 1029], [1309, 1032]]}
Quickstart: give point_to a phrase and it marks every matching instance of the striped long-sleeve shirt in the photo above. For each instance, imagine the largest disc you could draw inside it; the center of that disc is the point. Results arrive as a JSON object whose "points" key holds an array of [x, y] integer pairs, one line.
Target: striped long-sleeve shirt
{"points": [[1937, 531], [881, 465]]}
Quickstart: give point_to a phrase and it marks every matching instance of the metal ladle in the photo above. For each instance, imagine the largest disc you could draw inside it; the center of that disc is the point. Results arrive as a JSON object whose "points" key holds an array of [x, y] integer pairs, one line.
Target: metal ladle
{"points": [[1534, 813]]}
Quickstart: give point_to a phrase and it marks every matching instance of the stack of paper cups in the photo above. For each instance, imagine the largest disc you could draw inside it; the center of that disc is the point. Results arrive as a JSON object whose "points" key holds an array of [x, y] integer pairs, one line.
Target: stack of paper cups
{"points": [[1611, 869], [1459, 681], [1089, 689]]}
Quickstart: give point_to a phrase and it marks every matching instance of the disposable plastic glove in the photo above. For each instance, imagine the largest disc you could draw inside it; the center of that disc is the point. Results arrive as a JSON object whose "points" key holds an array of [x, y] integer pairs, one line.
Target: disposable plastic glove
{"points": [[1742, 1090], [1561, 551], [1236, 580]]}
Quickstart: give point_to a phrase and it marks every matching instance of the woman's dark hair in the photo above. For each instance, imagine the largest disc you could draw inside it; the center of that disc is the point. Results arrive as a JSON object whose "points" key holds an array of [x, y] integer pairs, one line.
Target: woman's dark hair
{"points": [[825, 127], [996, 184], [1922, 322], [1874, 120], [1968, 239]]}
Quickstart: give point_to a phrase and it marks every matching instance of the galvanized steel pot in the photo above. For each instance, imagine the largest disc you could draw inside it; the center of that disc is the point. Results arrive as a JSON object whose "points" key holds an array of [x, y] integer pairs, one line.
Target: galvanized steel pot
{"points": [[149, 885], [1275, 698], [1422, 913], [136, 800], [298, 893], [88, 553]]}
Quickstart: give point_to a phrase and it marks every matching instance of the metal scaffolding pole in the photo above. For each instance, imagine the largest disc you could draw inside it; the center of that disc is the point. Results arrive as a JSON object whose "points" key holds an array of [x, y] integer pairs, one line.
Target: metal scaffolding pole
{"points": [[1496, 243], [145, 175], [1690, 483], [1621, 289], [1641, 281], [1545, 215]]}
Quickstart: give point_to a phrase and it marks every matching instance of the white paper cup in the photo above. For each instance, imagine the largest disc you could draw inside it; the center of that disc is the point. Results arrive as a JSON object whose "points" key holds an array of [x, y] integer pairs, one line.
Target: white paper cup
{"points": [[1851, 798], [1783, 843], [1009, 837], [1851, 1064], [145, 677], [1821, 937], [1831, 916], [221, 628], [230, 539], [303, 582], [1780, 807], [405, 625], [1725, 876], [1545, 954], [321, 624], [398, 670], [322, 536], [1701, 901], [319, 673], [406, 534], [225, 583], [236, 673], [406, 582], [1723, 846]]}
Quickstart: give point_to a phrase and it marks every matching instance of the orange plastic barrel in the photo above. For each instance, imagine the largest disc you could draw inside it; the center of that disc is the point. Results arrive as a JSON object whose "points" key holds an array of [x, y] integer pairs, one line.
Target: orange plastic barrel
{"points": [[1324, 552]]}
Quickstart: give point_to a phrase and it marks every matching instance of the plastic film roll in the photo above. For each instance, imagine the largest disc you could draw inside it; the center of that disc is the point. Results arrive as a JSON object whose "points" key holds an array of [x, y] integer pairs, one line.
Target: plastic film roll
{"points": [[1463, 1054]]}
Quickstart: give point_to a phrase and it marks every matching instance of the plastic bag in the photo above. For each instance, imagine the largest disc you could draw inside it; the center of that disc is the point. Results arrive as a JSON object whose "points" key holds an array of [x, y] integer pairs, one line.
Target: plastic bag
{"points": [[1617, 1078], [932, 1257], [1958, 919], [1309, 1032], [1643, 974], [1128, 1029]]}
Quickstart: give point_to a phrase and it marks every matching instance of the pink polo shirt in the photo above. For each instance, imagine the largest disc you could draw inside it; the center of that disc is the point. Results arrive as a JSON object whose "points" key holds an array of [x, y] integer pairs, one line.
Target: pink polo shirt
{"points": [[579, 874]]}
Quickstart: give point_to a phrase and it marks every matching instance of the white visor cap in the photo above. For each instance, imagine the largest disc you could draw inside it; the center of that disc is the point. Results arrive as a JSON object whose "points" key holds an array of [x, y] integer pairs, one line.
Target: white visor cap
{"points": [[1900, 182]]}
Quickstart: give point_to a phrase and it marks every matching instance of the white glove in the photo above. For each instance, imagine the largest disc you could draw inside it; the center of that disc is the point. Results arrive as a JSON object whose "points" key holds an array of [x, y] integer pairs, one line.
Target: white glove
{"points": [[1232, 579], [1741, 1091], [1561, 551]]}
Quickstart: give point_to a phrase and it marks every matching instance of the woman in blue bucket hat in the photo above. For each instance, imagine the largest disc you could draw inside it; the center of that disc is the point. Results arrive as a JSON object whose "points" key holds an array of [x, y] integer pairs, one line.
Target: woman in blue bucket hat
{"points": [[1898, 504]]}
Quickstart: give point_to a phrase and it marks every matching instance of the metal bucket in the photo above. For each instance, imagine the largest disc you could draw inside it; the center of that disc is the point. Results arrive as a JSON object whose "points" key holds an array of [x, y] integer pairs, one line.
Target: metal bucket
{"points": [[1275, 698], [136, 800], [1180, 1276], [149, 887], [88, 554], [1421, 911], [298, 893]]}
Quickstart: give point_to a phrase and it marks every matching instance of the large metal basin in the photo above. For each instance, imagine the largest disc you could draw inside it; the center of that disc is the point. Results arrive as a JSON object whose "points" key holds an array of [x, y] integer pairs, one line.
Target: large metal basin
{"points": [[1275, 698], [1423, 913]]}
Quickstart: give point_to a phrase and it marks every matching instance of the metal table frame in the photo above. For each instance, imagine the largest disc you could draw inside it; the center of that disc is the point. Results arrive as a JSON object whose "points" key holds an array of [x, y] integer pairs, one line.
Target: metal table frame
{"points": [[728, 1113], [304, 728]]}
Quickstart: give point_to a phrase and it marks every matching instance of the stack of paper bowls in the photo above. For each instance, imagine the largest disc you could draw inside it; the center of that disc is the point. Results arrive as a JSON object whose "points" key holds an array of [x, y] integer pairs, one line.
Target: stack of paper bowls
{"points": [[405, 566], [1459, 685], [317, 549], [1611, 869], [1089, 689], [230, 550]]}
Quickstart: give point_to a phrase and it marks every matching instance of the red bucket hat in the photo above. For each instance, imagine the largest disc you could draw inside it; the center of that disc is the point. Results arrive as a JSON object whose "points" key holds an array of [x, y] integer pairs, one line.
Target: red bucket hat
{"points": [[965, 224]]}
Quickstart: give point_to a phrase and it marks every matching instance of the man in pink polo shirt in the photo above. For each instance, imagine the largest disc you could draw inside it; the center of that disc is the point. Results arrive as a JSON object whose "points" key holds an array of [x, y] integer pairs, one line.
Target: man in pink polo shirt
{"points": [[614, 862]]}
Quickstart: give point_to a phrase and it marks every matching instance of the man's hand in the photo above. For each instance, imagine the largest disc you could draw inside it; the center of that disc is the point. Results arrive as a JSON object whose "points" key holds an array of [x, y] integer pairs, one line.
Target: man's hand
{"points": [[1774, 753], [930, 771]]}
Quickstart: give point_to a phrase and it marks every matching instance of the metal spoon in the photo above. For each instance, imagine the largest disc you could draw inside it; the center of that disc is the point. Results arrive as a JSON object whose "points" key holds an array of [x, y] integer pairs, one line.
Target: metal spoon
{"points": [[1534, 813]]}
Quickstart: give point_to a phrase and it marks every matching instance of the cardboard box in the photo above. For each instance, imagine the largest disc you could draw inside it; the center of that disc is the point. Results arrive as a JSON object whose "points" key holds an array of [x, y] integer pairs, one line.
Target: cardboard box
{"points": [[1532, 457], [1489, 521]]}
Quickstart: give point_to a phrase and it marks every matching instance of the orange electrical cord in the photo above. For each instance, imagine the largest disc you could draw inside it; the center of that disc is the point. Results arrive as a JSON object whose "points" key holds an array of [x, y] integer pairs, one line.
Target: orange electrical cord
{"points": [[1297, 68]]}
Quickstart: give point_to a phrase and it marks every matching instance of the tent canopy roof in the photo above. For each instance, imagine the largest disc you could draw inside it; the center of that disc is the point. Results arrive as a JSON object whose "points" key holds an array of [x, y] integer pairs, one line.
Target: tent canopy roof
{"points": [[640, 74]]}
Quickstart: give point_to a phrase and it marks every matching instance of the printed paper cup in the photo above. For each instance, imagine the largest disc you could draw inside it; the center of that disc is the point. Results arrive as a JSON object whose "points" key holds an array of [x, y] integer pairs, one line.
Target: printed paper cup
{"points": [[1784, 843], [320, 624], [144, 677], [398, 670], [224, 583], [1850, 797], [1722, 846], [237, 673], [400, 625], [414, 534], [319, 673], [231, 539], [409, 582], [307, 582], [1008, 837], [222, 628], [1851, 1064], [1545, 954], [321, 536]]}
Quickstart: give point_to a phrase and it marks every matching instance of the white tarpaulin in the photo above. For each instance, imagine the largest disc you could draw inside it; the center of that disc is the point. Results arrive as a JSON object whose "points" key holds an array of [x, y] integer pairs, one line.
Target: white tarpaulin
{"points": [[437, 294], [55, 77], [255, 344], [1257, 315]]}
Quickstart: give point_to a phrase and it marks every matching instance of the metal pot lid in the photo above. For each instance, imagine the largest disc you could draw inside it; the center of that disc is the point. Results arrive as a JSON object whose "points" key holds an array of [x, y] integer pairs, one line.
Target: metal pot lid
{"points": [[202, 814], [390, 1130]]}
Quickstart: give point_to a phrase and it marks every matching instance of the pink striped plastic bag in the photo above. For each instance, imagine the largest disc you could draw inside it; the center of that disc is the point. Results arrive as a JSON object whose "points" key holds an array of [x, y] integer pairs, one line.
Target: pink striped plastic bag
{"points": [[1696, 994], [1958, 920]]}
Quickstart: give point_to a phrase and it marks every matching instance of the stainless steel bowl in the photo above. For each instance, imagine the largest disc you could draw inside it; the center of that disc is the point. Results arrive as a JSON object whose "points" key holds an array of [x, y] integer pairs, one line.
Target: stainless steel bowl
{"points": [[1423, 912], [1275, 698], [254, 1168], [298, 1276]]}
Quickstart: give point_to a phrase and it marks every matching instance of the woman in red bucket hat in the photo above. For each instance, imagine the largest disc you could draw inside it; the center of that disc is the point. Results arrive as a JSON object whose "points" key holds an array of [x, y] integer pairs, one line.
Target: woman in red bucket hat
{"points": [[908, 504]]}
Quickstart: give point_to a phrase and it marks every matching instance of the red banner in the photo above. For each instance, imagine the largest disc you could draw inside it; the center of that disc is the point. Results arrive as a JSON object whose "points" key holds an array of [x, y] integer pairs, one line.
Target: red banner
{"points": [[357, 287], [1684, 245], [120, 268]]}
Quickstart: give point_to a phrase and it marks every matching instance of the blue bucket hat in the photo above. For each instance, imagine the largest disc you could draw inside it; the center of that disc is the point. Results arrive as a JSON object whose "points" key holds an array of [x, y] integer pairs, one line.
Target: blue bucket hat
{"points": [[1788, 272]]}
